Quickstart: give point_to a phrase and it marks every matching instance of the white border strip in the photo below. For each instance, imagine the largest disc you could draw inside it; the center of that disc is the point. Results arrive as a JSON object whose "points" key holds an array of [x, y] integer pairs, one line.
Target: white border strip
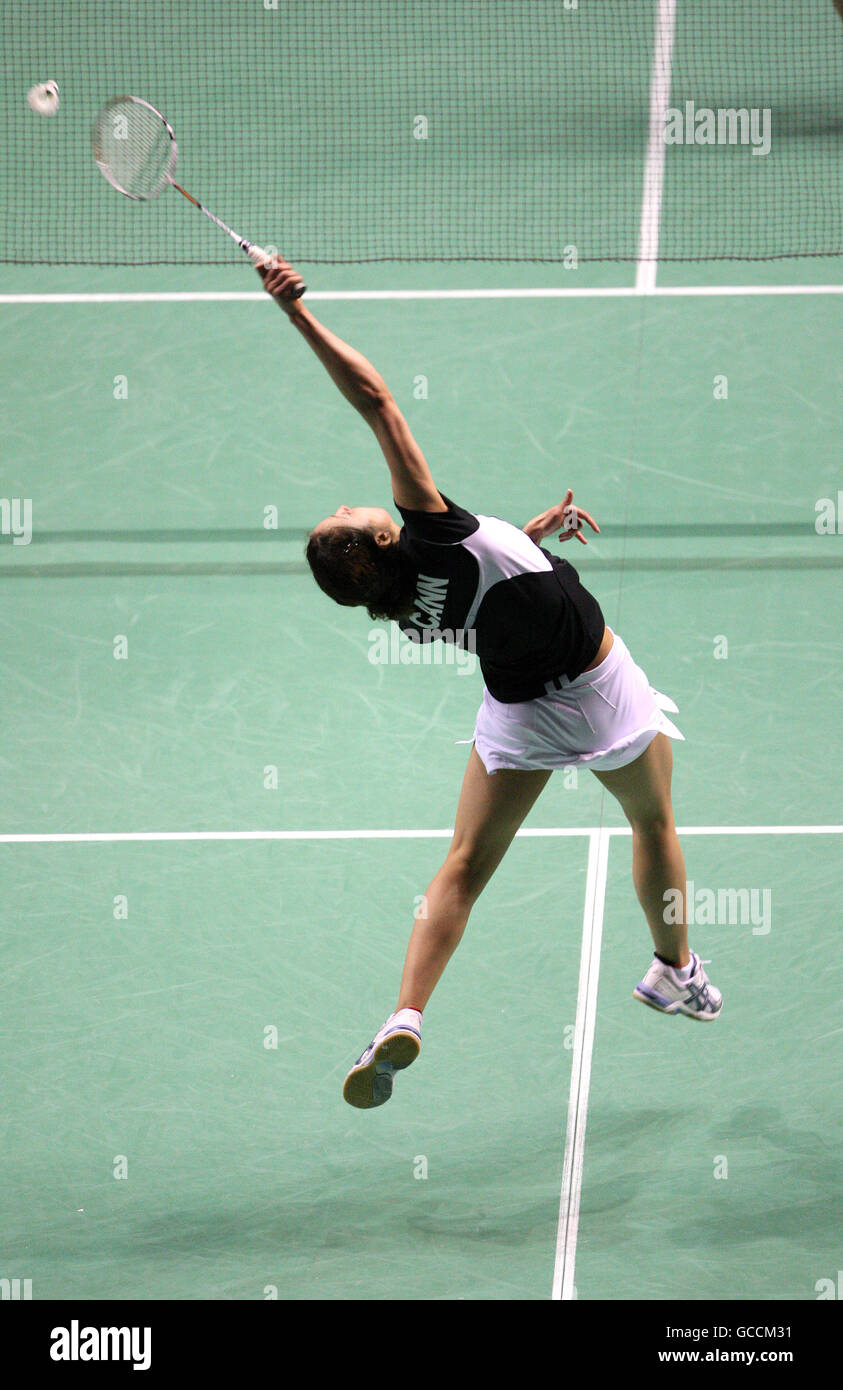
{"points": [[572, 1165], [125, 836], [651, 201], [325, 296]]}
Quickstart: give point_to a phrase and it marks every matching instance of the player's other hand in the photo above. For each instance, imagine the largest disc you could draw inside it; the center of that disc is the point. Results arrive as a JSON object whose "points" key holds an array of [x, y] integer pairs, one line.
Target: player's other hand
{"points": [[279, 279], [564, 518]]}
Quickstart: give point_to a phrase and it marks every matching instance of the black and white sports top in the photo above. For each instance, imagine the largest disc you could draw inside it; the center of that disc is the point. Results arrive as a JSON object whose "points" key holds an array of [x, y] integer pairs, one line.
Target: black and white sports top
{"points": [[486, 586]]}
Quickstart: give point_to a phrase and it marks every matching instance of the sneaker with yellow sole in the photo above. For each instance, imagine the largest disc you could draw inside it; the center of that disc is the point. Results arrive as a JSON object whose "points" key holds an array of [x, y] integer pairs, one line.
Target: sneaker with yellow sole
{"points": [[393, 1048]]}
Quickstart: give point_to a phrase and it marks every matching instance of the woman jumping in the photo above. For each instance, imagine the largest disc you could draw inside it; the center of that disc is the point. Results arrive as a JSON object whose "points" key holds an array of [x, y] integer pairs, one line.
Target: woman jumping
{"points": [[561, 689]]}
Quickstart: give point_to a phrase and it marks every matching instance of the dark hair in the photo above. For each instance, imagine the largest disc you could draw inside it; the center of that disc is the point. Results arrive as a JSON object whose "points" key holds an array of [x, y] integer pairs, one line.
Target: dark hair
{"points": [[352, 569]]}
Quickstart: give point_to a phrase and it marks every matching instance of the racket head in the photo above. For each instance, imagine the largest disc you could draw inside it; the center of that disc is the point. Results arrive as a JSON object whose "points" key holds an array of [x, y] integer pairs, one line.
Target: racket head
{"points": [[134, 147]]}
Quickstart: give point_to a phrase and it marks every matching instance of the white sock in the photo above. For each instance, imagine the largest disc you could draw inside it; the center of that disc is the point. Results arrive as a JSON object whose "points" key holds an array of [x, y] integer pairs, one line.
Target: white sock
{"points": [[411, 1017], [684, 973]]}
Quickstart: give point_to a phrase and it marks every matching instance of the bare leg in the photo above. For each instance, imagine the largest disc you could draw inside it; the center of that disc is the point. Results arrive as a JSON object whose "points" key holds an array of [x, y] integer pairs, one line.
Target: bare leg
{"points": [[490, 810], [643, 790]]}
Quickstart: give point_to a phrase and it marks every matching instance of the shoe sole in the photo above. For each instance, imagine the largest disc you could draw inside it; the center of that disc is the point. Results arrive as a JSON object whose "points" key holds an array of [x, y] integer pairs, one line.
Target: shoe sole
{"points": [[676, 1010], [371, 1085]]}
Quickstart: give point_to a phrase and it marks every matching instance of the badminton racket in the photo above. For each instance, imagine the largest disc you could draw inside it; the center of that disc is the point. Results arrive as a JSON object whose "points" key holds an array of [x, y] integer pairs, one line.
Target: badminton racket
{"points": [[136, 150]]}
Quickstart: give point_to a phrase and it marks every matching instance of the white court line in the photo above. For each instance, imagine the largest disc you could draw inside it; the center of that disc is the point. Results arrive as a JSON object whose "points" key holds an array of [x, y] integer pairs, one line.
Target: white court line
{"points": [[126, 836], [599, 838], [651, 202], [548, 292], [563, 1288], [572, 1165], [751, 830]]}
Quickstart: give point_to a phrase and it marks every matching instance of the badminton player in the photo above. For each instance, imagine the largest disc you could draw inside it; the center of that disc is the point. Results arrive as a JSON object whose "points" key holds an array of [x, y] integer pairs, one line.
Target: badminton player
{"points": [[561, 690]]}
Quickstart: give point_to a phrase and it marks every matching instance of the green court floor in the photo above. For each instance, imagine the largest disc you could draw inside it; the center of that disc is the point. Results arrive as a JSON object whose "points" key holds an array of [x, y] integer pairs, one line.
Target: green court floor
{"points": [[160, 1140], [218, 814]]}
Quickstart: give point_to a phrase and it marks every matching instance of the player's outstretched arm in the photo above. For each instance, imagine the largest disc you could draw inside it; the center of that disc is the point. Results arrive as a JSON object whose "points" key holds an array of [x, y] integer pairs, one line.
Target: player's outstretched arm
{"points": [[364, 388]]}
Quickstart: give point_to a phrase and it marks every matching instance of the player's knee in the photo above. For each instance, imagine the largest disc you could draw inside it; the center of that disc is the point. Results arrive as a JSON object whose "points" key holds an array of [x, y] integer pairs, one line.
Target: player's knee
{"points": [[467, 873], [654, 823]]}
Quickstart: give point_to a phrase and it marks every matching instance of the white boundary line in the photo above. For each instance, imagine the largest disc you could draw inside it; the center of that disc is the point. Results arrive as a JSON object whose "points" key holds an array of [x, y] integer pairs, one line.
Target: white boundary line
{"points": [[651, 201], [128, 836], [572, 1165], [324, 296]]}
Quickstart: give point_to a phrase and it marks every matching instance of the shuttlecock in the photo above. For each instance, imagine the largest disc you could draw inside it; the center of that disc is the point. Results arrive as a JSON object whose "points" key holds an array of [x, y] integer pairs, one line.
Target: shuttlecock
{"points": [[44, 98]]}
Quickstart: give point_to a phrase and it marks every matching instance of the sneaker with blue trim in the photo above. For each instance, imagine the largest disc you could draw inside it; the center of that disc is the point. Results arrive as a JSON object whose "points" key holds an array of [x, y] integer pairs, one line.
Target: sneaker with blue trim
{"points": [[663, 989], [393, 1048]]}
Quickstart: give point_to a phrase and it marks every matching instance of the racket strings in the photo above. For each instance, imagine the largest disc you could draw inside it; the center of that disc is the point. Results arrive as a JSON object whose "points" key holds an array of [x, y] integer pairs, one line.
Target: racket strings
{"points": [[134, 149]]}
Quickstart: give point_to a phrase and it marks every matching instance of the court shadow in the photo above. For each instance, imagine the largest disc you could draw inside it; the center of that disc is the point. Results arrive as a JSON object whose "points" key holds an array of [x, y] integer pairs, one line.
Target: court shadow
{"points": [[325, 1222]]}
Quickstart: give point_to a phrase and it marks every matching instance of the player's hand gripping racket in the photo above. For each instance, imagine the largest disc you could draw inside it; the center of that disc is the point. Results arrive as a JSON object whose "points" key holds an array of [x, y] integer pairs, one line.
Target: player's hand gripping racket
{"points": [[135, 149]]}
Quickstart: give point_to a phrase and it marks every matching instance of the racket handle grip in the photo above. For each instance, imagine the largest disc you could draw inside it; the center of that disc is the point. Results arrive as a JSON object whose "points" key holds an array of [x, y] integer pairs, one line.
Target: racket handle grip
{"points": [[256, 255]]}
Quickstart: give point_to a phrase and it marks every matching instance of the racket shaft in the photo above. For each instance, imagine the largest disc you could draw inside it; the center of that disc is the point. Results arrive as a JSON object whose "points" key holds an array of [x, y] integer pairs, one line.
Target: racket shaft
{"points": [[252, 251]]}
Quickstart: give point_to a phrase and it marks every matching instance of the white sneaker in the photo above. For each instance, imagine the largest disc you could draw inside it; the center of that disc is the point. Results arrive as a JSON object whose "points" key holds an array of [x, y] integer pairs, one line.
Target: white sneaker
{"points": [[393, 1048], [696, 997]]}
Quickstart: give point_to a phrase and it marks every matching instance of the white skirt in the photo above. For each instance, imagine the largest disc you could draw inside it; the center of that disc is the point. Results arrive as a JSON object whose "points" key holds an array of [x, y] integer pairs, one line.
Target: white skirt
{"points": [[604, 719]]}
